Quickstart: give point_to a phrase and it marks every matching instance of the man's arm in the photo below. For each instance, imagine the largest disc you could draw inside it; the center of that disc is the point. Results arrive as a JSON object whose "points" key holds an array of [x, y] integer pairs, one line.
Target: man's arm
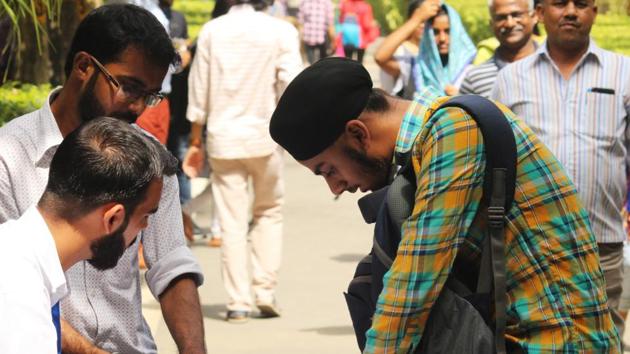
{"points": [[182, 313], [449, 166], [289, 61], [384, 55], [8, 206], [173, 273], [72, 342]]}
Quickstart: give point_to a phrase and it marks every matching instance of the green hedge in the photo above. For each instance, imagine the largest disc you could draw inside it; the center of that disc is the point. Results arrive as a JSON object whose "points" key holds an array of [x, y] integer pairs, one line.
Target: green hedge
{"points": [[17, 99]]}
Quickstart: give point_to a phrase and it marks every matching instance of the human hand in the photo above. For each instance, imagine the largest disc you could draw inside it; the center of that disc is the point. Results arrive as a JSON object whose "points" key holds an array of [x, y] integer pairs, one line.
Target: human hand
{"points": [[451, 90], [426, 10], [193, 161]]}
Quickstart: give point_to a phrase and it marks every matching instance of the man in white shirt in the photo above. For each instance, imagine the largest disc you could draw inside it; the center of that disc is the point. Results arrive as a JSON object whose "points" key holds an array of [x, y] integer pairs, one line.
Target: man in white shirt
{"points": [[105, 180], [115, 67], [244, 61]]}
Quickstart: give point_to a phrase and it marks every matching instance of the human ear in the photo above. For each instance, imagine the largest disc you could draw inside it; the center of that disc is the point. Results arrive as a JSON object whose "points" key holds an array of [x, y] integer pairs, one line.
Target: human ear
{"points": [[357, 131], [81, 65], [113, 217]]}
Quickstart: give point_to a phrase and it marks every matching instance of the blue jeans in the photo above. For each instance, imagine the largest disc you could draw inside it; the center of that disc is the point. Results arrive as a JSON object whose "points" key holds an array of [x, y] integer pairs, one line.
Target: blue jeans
{"points": [[178, 148]]}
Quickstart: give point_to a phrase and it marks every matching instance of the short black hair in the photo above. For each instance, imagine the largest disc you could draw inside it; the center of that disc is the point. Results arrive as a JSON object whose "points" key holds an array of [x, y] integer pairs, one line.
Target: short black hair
{"points": [[104, 160], [377, 101], [259, 5], [110, 29]]}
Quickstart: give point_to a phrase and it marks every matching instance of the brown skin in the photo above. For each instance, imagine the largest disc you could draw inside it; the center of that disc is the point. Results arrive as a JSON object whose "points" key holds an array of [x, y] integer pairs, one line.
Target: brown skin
{"points": [[513, 24], [568, 24], [73, 246], [372, 133], [410, 32], [184, 319], [442, 32]]}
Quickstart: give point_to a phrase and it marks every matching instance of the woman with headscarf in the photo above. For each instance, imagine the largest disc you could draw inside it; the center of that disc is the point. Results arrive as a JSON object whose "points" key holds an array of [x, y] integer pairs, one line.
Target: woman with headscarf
{"points": [[398, 51], [446, 52]]}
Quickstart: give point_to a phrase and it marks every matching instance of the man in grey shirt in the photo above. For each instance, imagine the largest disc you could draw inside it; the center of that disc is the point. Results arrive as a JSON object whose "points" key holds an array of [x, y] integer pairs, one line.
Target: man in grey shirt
{"points": [[513, 22], [115, 67]]}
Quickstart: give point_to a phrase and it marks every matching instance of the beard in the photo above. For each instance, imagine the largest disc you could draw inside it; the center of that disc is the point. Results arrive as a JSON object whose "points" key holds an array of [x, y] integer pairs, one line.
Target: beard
{"points": [[376, 169], [90, 107], [107, 250]]}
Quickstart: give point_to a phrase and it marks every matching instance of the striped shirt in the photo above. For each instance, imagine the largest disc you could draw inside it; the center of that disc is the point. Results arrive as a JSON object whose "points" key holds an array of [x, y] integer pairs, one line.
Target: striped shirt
{"points": [[480, 79], [244, 61], [556, 295], [315, 16], [583, 121]]}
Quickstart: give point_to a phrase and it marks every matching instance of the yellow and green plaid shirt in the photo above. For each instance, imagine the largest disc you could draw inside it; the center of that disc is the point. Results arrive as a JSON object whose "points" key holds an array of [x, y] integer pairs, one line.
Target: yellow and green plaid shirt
{"points": [[556, 293]]}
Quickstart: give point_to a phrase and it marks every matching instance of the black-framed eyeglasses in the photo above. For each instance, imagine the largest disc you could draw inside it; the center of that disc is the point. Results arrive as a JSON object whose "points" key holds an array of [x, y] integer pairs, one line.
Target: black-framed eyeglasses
{"points": [[129, 94]]}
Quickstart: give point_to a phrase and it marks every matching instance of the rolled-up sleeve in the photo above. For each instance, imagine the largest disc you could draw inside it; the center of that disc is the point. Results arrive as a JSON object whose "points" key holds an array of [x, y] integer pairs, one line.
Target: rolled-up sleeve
{"points": [[166, 254], [448, 162]]}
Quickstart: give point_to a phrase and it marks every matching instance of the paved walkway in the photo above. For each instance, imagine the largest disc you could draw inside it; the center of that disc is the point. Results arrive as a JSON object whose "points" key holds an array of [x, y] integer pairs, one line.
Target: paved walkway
{"points": [[324, 239]]}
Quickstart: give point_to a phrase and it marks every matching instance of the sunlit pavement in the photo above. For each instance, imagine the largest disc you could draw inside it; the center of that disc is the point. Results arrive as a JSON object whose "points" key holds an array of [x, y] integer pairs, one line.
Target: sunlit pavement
{"points": [[323, 241]]}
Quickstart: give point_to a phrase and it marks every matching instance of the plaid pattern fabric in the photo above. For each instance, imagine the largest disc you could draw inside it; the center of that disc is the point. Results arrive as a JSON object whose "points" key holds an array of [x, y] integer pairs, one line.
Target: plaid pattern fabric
{"points": [[315, 16], [556, 292]]}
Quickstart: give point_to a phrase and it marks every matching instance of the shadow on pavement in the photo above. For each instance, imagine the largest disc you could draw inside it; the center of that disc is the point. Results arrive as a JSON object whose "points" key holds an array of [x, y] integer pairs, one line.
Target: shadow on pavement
{"points": [[215, 311], [331, 331], [348, 257]]}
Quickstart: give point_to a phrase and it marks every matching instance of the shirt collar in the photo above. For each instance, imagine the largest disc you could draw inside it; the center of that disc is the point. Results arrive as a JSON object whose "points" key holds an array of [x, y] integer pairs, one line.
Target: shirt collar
{"points": [[47, 253], [593, 51], [47, 135], [241, 8], [414, 118]]}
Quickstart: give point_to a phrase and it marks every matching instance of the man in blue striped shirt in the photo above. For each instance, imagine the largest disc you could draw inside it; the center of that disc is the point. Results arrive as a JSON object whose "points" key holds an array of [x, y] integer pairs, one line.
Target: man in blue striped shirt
{"points": [[576, 97]]}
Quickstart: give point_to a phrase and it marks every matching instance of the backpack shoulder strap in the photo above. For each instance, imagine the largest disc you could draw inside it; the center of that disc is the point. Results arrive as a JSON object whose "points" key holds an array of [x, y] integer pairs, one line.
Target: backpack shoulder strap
{"points": [[498, 193]]}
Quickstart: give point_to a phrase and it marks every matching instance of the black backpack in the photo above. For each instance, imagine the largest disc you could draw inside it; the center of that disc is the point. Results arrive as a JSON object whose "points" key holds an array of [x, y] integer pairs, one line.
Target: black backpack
{"points": [[460, 320]]}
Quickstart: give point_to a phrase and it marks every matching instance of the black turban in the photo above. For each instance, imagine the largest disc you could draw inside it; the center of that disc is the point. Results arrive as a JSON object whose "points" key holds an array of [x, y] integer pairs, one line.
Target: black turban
{"points": [[314, 109]]}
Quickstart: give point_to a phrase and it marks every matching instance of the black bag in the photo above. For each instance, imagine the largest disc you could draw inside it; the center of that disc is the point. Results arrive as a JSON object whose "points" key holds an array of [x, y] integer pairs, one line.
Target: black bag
{"points": [[460, 320]]}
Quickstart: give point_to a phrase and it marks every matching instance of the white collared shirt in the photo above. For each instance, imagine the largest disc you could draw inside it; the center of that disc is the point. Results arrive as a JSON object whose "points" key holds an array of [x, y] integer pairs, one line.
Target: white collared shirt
{"points": [[584, 121], [244, 61], [104, 306], [31, 282]]}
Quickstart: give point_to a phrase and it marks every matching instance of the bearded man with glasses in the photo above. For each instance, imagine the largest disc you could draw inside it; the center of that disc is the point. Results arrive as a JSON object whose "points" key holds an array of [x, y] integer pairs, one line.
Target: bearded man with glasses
{"points": [[115, 67]]}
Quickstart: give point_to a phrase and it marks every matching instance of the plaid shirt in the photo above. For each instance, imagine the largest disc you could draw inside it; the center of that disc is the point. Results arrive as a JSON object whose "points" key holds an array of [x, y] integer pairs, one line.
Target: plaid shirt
{"points": [[315, 16], [556, 293]]}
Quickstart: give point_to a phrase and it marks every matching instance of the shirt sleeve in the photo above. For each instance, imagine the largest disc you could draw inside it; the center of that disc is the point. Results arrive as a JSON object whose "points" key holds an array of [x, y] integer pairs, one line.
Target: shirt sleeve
{"points": [[448, 162], [8, 206], [165, 250], [467, 87], [199, 81], [289, 59]]}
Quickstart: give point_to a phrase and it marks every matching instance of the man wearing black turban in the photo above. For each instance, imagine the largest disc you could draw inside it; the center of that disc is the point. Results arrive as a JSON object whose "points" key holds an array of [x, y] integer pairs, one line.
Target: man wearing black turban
{"points": [[333, 122]]}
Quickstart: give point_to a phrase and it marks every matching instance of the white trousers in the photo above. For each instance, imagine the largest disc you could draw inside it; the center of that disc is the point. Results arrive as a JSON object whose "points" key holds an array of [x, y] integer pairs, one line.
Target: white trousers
{"points": [[231, 192]]}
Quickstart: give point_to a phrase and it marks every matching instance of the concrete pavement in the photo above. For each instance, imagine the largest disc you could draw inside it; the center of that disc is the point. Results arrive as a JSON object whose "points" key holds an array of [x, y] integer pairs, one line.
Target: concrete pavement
{"points": [[324, 239]]}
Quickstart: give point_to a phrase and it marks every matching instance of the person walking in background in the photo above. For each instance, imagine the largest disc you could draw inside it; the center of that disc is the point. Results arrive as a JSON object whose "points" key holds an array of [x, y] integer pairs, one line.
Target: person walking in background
{"points": [[576, 97], [244, 60], [115, 67], [317, 24], [446, 52], [513, 23], [89, 213], [358, 28], [396, 55]]}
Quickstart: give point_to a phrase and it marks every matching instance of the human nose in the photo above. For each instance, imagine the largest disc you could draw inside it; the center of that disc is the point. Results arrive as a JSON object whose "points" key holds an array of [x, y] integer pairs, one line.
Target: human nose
{"points": [[138, 105], [570, 10], [336, 186]]}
